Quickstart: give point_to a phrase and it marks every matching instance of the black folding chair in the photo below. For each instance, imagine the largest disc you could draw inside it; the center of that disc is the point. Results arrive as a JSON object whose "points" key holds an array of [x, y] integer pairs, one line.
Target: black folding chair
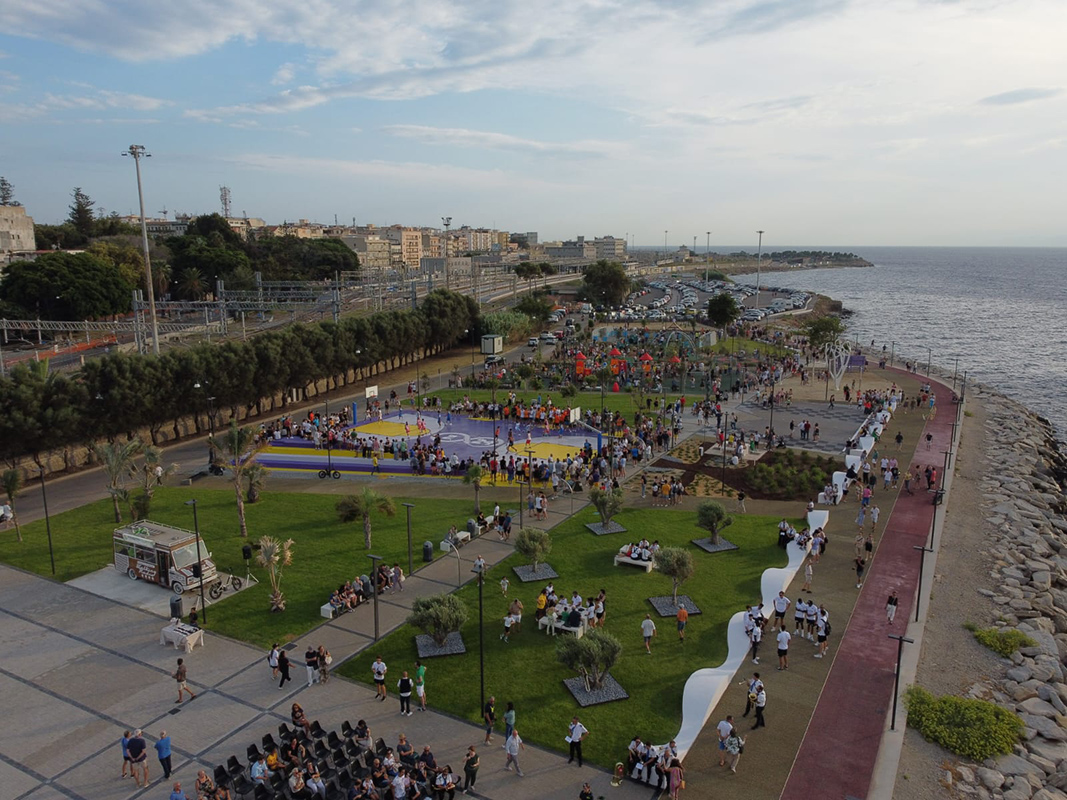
{"points": [[347, 730], [317, 731], [269, 745], [253, 754], [234, 767], [333, 741], [379, 747]]}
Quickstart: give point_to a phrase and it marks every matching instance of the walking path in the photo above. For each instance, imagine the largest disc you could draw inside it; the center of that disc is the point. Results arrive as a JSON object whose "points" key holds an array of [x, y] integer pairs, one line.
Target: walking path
{"points": [[845, 731]]}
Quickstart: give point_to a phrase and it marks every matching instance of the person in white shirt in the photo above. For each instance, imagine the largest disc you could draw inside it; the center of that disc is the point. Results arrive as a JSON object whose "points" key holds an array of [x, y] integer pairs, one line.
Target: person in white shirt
{"points": [[723, 729], [575, 737], [812, 616], [783, 649], [755, 686], [800, 611], [511, 748], [648, 630], [821, 625], [756, 638], [760, 704], [781, 605]]}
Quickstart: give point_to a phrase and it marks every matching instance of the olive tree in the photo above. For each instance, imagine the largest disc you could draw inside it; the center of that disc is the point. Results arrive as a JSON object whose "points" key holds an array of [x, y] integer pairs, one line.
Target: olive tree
{"points": [[607, 502], [534, 544], [712, 517], [591, 657], [438, 616], [677, 564]]}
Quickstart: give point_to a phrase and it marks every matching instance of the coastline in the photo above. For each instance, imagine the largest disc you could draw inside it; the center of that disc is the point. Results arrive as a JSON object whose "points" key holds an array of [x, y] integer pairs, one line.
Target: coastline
{"points": [[749, 267]]}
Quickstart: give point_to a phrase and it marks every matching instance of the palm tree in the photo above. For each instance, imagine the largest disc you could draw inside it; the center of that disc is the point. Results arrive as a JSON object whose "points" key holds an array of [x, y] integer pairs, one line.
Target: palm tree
{"points": [[161, 275], [273, 555], [12, 483], [361, 506], [118, 463], [238, 448], [256, 475], [474, 477], [151, 478], [191, 283]]}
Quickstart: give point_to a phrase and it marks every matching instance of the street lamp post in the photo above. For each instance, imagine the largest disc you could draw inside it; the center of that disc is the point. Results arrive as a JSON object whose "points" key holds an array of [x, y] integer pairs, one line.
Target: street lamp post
{"points": [[447, 222], [199, 571], [896, 678], [759, 262], [47, 522], [374, 586], [481, 634], [919, 590], [411, 563], [137, 152], [707, 256]]}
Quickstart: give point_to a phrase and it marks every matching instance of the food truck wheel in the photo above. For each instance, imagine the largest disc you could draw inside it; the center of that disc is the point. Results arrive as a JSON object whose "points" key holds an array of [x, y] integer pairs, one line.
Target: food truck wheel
{"points": [[131, 573], [177, 587]]}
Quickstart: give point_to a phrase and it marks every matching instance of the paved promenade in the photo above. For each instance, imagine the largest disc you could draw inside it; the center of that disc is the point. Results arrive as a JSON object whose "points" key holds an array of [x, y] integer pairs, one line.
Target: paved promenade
{"points": [[845, 731]]}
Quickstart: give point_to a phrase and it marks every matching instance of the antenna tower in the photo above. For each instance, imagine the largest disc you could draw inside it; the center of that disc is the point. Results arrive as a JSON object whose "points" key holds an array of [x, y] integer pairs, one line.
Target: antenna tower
{"points": [[224, 198]]}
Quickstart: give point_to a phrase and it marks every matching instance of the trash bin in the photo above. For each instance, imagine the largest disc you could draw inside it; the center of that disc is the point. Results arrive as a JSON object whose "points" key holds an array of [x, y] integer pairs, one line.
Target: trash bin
{"points": [[472, 528], [176, 610], [427, 552], [368, 587]]}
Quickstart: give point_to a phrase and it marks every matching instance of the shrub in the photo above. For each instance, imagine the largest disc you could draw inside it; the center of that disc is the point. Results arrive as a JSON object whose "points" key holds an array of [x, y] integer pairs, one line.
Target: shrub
{"points": [[570, 390], [974, 729], [591, 656], [1001, 642], [438, 615], [607, 503]]}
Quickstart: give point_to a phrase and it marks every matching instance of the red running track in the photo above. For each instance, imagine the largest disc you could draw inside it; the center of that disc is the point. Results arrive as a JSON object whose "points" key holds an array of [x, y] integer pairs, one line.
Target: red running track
{"points": [[836, 757]]}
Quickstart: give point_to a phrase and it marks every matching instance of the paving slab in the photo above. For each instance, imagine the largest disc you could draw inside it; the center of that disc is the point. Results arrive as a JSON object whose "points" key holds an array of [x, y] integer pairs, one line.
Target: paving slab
{"points": [[46, 793], [30, 650], [79, 681], [14, 782]]}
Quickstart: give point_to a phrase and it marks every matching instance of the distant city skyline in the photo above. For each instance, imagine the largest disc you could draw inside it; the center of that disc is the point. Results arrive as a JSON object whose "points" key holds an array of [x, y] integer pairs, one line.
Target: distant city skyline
{"points": [[915, 122]]}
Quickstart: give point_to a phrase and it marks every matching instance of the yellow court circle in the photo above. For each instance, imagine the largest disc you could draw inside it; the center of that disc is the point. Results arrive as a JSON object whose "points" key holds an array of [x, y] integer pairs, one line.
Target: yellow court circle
{"points": [[542, 450], [384, 428]]}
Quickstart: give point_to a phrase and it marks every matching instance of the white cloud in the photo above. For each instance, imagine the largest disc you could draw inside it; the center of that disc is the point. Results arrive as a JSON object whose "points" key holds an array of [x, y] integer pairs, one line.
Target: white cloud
{"points": [[463, 137], [284, 74]]}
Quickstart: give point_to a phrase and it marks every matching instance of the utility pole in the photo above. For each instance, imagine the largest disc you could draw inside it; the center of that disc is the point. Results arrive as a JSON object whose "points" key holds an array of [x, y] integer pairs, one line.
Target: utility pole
{"points": [[137, 152], [707, 256], [759, 259]]}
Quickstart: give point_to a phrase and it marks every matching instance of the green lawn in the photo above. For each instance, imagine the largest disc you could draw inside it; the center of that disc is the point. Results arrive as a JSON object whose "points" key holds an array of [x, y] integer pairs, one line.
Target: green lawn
{"points": [[625, 402], [525, 670], [326, 552]]}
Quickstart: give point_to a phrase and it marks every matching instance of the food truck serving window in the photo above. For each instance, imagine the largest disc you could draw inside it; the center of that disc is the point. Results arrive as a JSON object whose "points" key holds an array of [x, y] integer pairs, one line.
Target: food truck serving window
{"points": [[184, 556]]}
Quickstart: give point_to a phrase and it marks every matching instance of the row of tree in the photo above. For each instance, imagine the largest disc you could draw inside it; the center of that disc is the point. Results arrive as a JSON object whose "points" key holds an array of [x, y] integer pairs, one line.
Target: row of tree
{"points": [[121, 394]]}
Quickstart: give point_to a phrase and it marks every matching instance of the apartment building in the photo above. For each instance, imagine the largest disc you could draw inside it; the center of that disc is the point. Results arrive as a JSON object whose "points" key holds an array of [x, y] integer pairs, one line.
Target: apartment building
{"points": [[16, 231], [373, 251], [610, 248], [410, 241], [578, 248]]}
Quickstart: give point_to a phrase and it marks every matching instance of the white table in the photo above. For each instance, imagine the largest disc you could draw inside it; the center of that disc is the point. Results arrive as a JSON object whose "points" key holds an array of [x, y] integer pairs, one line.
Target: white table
{"points": [[182, 636]]}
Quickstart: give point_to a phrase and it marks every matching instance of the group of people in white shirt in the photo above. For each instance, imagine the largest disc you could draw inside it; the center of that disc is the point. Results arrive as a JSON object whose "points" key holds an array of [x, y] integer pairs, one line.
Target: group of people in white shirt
{"points": [[645, 761], [811, 622], [641, 551]]}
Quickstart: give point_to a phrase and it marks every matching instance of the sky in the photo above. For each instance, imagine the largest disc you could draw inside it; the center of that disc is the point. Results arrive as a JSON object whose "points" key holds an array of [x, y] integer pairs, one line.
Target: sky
{"points": [[878, 122]]}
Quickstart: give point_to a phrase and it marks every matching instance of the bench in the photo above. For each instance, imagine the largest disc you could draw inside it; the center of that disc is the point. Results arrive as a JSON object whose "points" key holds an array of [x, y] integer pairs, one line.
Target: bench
{"points": [[551, 626], [462, 537], [645, 565]]}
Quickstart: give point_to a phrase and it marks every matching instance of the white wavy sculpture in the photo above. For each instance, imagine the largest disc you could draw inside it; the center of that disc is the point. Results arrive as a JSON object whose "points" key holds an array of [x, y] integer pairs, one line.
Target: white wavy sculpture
{"points": [[838, 352]]}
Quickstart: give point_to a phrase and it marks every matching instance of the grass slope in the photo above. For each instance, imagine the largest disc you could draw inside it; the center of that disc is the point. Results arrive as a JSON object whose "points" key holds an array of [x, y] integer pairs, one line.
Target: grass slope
{"points": [[326, 552], [525, 670]]}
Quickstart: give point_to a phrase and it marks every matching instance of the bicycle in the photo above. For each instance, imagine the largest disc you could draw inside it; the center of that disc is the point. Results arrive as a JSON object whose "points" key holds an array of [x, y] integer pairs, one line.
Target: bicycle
{"points": [[219, 587], [325, 473]]}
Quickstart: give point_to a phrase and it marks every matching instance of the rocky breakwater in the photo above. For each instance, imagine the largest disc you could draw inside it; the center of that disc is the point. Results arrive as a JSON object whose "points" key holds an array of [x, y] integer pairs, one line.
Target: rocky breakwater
{"points": [[1026, 505]]}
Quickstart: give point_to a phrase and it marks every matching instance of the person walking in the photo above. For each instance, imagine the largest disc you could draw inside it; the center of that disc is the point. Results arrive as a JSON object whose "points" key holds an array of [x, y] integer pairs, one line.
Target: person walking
{"points": [[741, 502], [683, 619], [760, 704], [512, 747], [404, 687], [575, 737], [509, 721], [489, 717], [378, 670], [420, 684], [860, 563], [283, 668], [733, 745], [470, 769], [180, 675], [677, 778], [648, 630], [311, 662], [755, 686], [809, 573], [272, 660], [891, 607], [325, 660], [724, 729], [755, 636], [163, 753]]}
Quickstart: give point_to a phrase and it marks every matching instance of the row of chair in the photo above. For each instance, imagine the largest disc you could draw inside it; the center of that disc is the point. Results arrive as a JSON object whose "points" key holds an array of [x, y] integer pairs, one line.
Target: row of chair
{"points": [[340, 760]]}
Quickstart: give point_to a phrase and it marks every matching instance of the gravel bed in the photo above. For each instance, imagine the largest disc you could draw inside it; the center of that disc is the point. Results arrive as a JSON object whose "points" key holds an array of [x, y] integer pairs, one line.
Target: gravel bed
{"points": [[428, 648], [604, 530], [526, 573], [723, 545], [665, 606], [609, 692]]}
